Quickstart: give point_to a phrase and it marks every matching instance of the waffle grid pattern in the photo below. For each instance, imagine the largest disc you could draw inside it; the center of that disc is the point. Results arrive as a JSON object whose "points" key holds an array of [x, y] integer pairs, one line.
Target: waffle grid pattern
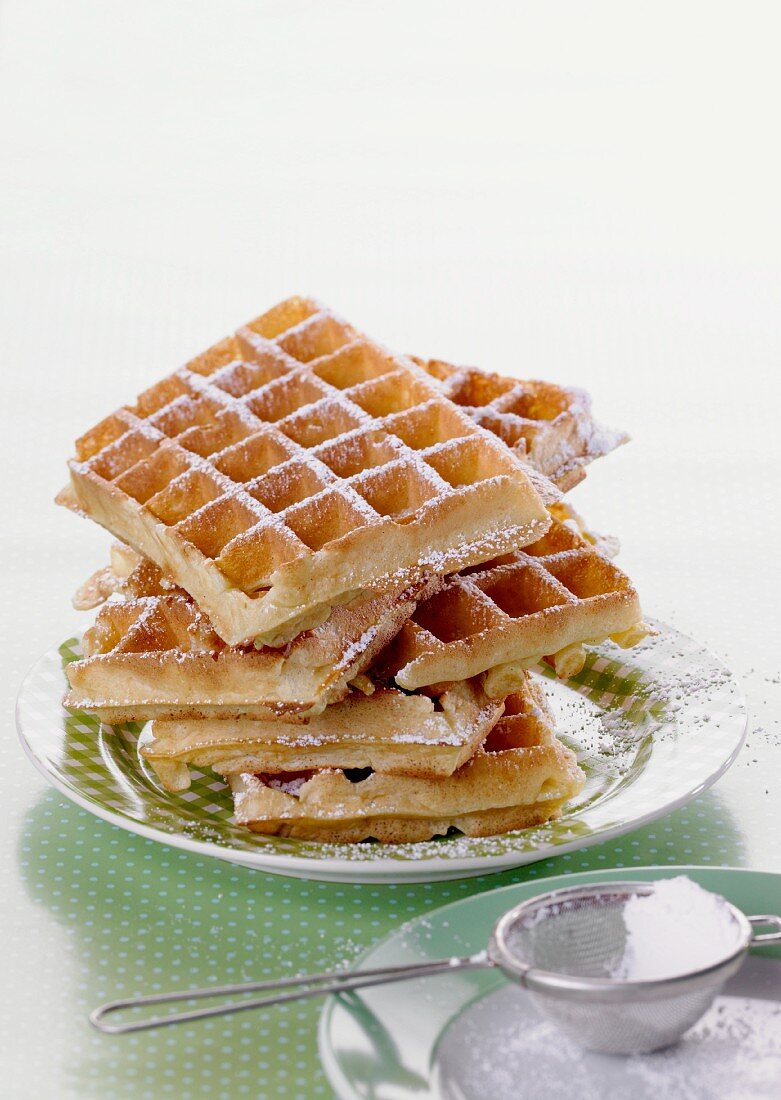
{"points": [[157, 656], [151, 624], [557, 592], [280, 442], [550, 425]]}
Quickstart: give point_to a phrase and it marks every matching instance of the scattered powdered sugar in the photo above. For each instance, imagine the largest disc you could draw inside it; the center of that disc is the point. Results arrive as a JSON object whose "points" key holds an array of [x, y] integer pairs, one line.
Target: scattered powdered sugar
{"points": [[618, 730], [607, 739], [735, 1052], [500, 1048], [677, 929]]}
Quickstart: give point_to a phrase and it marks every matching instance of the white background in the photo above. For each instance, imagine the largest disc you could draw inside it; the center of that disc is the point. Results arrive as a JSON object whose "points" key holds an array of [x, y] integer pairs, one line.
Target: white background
{"points": [[584, 192]]}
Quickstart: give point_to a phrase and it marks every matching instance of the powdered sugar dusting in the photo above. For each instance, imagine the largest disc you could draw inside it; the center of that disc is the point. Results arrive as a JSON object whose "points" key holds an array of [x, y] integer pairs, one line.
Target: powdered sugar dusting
{"points": [[677, 929], [664, 689], [733, 1053]]}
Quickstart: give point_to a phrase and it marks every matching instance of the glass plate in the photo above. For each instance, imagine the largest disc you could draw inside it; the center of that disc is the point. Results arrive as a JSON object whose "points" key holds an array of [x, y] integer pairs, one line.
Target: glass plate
{"points": [[652, 728], [471, 1035]]}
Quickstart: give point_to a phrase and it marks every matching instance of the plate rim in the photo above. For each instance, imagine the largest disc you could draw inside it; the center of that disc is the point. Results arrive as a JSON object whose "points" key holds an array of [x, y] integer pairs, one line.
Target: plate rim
{"points": [[343, 1088], [384, 869]]}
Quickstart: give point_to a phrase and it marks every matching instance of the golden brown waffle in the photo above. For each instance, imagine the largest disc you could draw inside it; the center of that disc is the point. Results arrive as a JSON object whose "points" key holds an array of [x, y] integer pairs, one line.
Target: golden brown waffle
{"points": [[608, 545], [546, 600], [156, 655], [127, 574], [552, 426], [521, 777], [294, 466], [387, 730]]}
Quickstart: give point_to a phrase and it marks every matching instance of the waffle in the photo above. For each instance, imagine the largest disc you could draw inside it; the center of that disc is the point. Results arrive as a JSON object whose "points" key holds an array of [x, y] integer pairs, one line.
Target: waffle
{"points": [[546, 600], [128, 574], [521, 777], [550, 425], [608, 545], [386, 730], [155, 655], [293, 467]]}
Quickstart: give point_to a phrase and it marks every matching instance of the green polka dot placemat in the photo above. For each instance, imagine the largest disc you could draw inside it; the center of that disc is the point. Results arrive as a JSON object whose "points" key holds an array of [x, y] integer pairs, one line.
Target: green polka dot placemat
{"points": [[111, 914], [139, 916]]}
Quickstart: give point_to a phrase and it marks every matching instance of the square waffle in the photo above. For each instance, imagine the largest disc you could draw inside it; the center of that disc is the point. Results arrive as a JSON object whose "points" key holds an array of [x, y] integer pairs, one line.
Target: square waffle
{"points": [[551, 426], [387, 730], [520, 777], [155, 655], [546, 600], [295, 466]]}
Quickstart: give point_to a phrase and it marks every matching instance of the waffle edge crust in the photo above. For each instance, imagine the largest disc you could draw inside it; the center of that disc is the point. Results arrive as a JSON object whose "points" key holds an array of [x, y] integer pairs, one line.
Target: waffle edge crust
{"points": [[554, 596], [294, 467], [157, 657], [520, 777], [494, 792], [388, 731]]}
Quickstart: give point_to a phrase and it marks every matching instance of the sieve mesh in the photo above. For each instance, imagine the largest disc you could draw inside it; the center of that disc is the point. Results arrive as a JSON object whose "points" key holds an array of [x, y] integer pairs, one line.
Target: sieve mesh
{"points": [[567, 948], [584, 937]]}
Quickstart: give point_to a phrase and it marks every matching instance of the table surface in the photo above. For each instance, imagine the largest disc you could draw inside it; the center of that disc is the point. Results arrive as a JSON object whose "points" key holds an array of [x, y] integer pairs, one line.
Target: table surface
{"points": [[587, 196]]}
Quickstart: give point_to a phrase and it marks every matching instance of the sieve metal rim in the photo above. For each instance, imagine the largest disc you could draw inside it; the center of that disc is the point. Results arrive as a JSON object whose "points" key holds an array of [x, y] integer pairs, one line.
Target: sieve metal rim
{"points": [[608, 990]]}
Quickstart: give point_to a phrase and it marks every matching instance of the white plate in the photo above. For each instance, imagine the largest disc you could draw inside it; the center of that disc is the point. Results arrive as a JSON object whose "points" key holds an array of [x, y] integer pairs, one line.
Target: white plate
{"points": [[653, 727]]}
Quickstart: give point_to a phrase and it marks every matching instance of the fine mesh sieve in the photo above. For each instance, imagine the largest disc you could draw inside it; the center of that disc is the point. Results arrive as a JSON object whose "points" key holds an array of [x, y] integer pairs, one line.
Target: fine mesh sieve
{"points": [[565, 947]]}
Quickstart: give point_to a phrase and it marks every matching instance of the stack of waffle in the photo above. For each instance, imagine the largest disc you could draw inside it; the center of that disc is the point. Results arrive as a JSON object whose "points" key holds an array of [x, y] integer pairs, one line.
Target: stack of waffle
{"points": [[337, 567]]}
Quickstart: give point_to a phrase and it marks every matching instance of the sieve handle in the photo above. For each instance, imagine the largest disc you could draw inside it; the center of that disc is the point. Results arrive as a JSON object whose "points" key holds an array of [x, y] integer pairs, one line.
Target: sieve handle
{"points": [[281, 990], [770, 919]]}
